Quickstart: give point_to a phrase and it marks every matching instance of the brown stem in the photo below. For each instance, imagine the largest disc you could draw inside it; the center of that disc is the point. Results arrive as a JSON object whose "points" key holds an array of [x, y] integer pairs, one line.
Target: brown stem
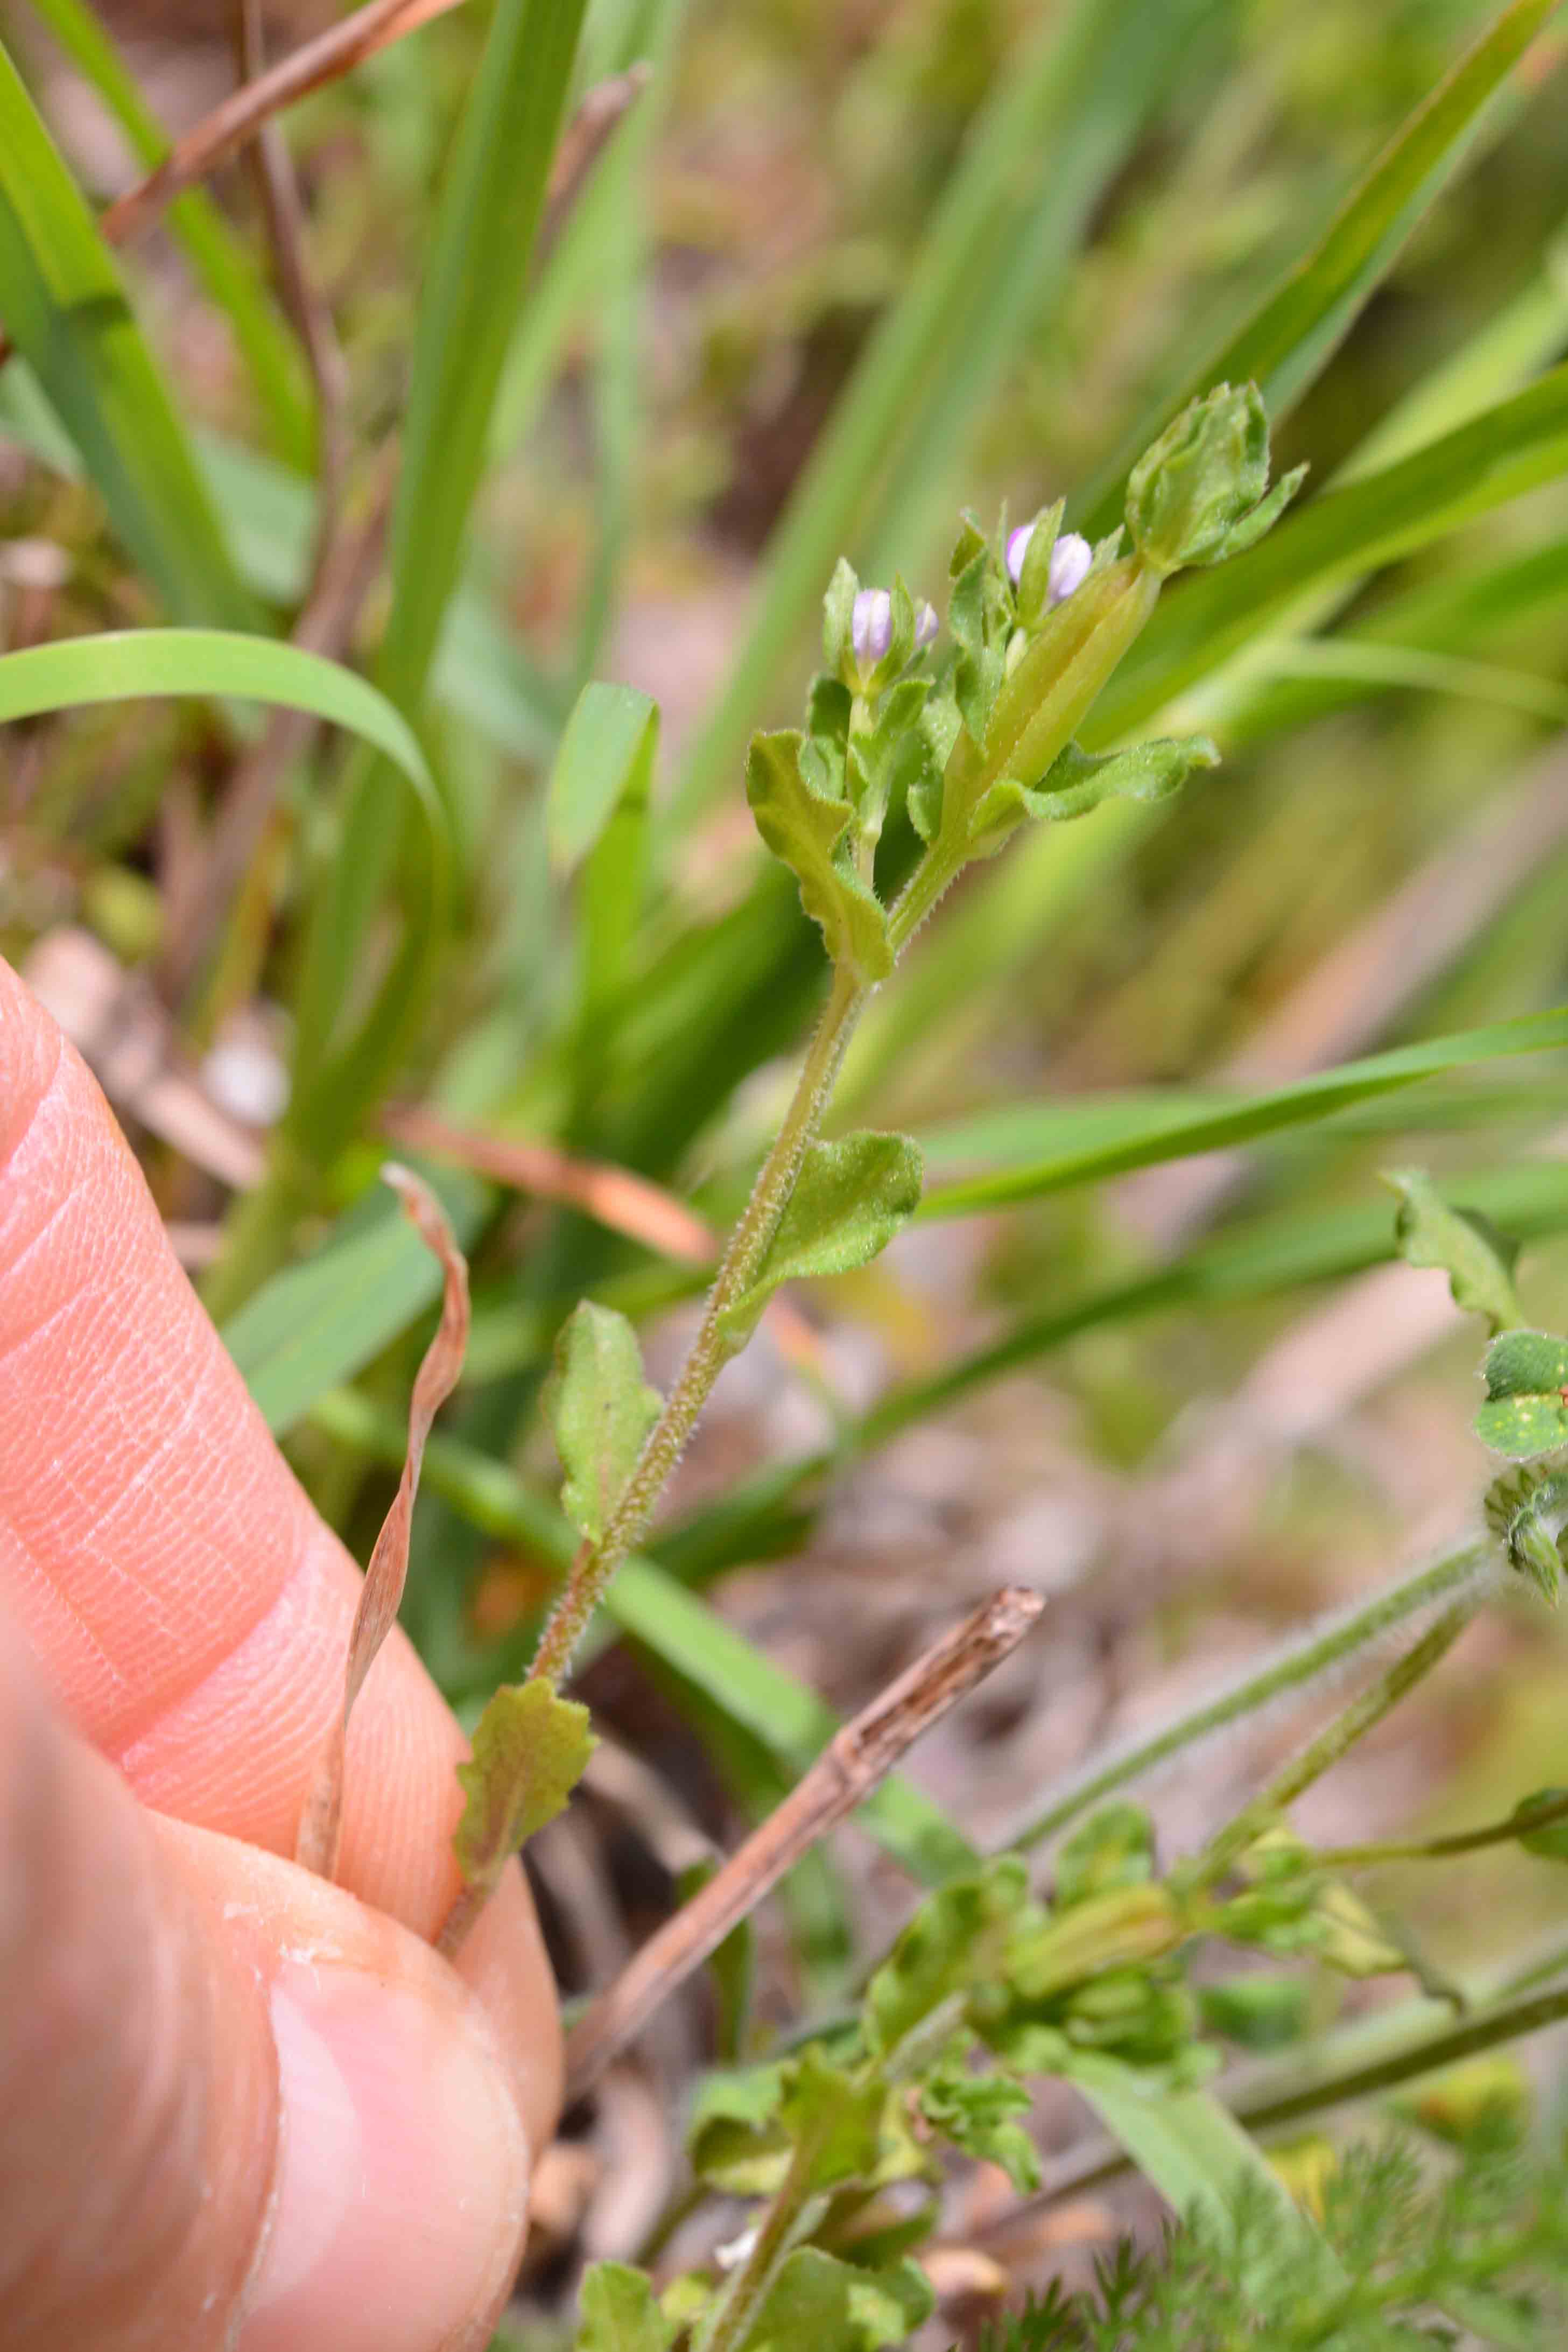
{"points": [[852, 1765]]}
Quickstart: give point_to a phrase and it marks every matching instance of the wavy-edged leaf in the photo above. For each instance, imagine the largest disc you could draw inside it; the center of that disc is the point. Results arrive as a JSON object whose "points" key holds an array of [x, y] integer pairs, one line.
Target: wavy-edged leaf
{"points": [[1077, 782], [806, 827], [601, 1409], [65, 306], [1467, 1247], [530, 1748], [833, 2306], [1526, 1409], [852, 1196], [619, 2312], [1048, 1146]]}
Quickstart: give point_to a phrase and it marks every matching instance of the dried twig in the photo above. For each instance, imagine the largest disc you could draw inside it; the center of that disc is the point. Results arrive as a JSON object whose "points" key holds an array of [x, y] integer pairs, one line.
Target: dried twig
{"points": [[321, 1824], [278, 191], [219, 134], [599, 114], [846, 1772]]}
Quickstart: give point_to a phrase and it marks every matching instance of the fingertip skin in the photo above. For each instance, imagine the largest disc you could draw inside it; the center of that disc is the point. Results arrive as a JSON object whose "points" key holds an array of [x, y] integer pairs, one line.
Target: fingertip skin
{"points": [[180, 1596]]}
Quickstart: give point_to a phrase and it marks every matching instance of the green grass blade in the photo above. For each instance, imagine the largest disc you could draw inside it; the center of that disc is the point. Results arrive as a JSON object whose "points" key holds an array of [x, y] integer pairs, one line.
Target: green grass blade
{"points": [[677, 1628], [1514, 446], [1042, 150], [125, 664], [226, 268], [481, 245], [1056, 1144], [65, 306], [1293, 333], [1191, 2148], [1253, 1260]]}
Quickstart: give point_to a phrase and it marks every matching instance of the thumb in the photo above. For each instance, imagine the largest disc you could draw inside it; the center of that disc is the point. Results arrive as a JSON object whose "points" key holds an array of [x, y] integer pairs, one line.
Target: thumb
{"points": [[236, 2107]]}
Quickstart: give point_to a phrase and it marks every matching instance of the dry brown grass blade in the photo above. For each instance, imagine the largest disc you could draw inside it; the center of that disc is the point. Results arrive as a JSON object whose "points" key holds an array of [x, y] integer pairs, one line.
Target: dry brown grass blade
{"points": [[845, 1773], [615, 1197], [612, 1196], [316, 1845]]}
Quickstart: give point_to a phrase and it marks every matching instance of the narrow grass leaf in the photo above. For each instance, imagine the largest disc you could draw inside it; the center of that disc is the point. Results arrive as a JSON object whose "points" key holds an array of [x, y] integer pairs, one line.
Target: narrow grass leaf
{"points": [[1092, 1139], [1190, 2148], [226, 268], [380, 1595], [65, 307], [124, 665], [1293, 333], [1516, 446], [482, 243]]}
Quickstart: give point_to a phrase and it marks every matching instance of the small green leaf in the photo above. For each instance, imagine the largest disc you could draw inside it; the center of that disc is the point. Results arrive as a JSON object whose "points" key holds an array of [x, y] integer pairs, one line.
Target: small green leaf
{"points": [[529, 1751], [1551, 1843], [819, 2303], [836, 2117], [806, 829], [618, 2312], [838, 615], [600, 1409], [958, 1937], [1526, 1410], [1077, 781], [1034, 577], [849, 1201], [1196, 495], [1467, 1247], [736, 2139], [1525, 1512], [979, 2113], [1115, 1847], [1258, 2013]]}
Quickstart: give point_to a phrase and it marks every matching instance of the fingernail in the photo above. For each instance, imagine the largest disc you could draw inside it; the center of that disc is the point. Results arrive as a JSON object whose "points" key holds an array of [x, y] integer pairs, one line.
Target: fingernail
{"points": [[402, 2172]]}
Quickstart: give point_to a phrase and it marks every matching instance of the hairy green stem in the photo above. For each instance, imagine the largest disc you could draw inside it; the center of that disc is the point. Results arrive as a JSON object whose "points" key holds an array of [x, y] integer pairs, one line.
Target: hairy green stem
{"points": [[1290, 1669], [792, 2214], [742, 1259], [1516, 1825], [1332, 1742]]}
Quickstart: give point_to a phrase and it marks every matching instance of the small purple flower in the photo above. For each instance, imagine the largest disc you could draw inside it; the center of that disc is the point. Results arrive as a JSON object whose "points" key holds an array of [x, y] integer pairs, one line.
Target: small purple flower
{"points": [[1070, 561], [925, 626], [871, 627]]}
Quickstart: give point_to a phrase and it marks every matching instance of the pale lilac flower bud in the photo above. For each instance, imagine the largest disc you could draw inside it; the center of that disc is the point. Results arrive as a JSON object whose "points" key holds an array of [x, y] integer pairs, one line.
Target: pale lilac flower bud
{"points": [[925, 626], [870, 625], [1017, 548], [1069, 561]]}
